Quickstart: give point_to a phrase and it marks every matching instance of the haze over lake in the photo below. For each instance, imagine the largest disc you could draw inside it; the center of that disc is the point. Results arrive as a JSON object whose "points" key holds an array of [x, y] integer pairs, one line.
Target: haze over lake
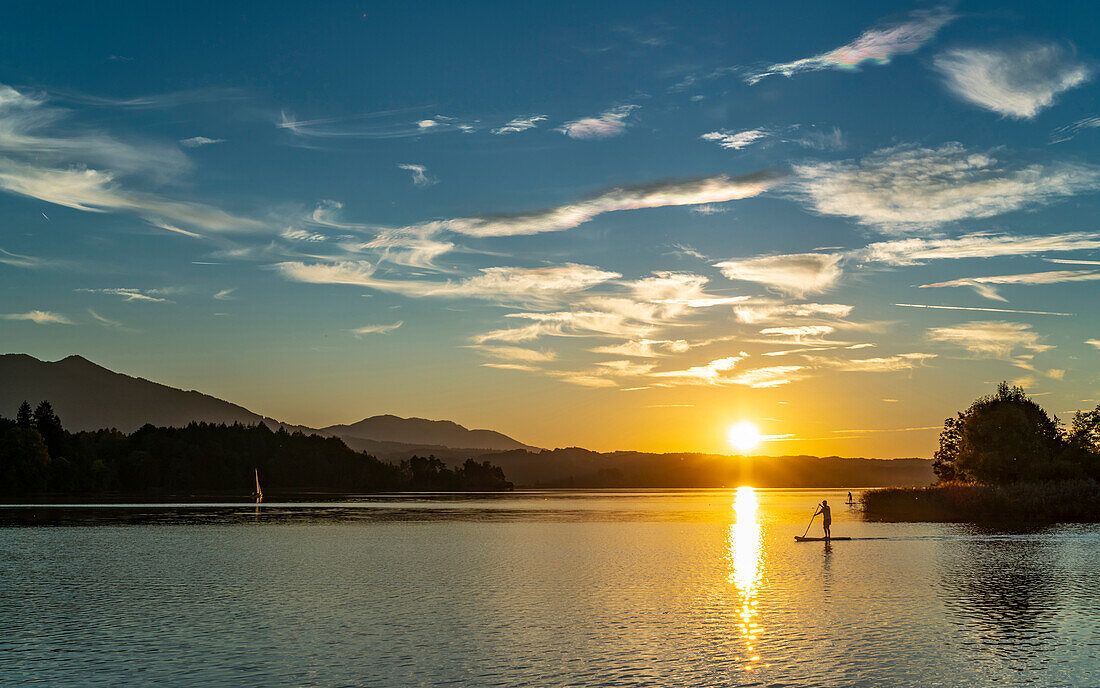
{"points": [[703, 587]]}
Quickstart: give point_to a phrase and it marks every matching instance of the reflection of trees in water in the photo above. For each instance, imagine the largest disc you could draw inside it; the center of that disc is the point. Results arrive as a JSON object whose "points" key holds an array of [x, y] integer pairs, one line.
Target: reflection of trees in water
{"points": [[1007, 590]]}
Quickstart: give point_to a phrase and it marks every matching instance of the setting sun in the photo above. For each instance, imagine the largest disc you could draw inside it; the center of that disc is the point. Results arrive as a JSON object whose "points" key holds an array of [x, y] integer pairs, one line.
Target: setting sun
{"points": [[743, 436]]}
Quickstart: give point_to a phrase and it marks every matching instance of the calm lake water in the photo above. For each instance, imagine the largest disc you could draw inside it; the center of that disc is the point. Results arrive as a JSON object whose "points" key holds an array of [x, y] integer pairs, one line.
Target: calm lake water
{"points": [[661, 588]]}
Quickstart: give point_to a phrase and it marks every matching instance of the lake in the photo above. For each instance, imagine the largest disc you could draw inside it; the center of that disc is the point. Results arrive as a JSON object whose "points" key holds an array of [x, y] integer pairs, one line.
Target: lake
{"points": [[554, 588]]}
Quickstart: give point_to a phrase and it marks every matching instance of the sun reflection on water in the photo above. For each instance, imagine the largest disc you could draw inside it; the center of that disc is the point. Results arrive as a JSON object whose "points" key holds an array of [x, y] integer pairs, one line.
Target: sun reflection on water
{"points": [[744, 553]]}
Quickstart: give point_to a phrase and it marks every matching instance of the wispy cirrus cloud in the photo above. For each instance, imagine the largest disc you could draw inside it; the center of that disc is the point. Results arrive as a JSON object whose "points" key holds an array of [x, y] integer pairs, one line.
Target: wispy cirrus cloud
{"points": [[45, 156], [768, 311], [884, 364], [998, 339], [807, 137], [664, 193], [520, 124], [498, 283], [1093, 342], [39, 317], [714, 372], [736, 140], [420, 176], [376, 329], [18, 260], [915, 251], [645, 348], [1070, 131], [199, 141], [516, 353], [606, 124], [907, 188], [396, 123], [105, 321], [128, 294], [796, 274], [987, 286], [1016, 82], [877, 45]]}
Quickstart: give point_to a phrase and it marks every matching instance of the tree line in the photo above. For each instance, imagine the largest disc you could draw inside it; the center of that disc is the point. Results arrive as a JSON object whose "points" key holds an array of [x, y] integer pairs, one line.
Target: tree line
{"points": [[38, 456], [1007, 438]]}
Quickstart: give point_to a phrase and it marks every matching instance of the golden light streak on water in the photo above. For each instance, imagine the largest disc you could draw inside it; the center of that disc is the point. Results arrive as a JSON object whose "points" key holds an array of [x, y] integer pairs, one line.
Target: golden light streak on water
{"points": [[744, 554]]}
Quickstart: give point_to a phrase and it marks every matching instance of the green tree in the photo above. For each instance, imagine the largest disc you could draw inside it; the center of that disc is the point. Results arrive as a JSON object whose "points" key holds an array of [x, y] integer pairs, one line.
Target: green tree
{"points": [[1002, 438], [24, 418]]}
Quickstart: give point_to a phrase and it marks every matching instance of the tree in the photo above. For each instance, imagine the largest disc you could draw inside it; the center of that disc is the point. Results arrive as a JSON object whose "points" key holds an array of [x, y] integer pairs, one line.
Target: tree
{"points": [[48, 425], [1001, 438], [943, 460], [24, 418]]}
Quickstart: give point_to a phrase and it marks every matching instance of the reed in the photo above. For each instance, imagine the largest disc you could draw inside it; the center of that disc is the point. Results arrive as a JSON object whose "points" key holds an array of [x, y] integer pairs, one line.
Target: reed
{"points": [[1067, 501]]}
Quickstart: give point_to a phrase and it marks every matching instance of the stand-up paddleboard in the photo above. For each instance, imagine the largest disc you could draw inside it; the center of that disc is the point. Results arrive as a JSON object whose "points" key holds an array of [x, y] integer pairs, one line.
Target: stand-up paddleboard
{"points": [[817, 539]]}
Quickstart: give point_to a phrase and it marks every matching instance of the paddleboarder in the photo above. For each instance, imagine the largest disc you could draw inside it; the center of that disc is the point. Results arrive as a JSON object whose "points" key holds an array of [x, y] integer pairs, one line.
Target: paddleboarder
{"points": [[826, 517]]}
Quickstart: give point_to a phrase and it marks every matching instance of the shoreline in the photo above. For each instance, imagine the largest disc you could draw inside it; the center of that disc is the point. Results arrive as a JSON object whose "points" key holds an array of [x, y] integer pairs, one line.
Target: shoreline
{"points": [[1063, 501]]}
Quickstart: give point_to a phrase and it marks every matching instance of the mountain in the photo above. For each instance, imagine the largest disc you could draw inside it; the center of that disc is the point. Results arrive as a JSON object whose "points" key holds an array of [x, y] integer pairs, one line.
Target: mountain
{"points": [[87, 396], [389, 429], [576, 467]]}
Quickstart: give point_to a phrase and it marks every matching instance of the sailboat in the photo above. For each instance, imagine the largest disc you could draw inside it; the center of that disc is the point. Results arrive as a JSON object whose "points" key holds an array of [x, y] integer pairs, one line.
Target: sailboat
{"points": [[258, 494]]}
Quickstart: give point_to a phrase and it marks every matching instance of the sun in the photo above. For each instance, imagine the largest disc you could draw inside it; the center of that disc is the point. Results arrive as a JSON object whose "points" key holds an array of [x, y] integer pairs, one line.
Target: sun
{"points": [[743, 436]]}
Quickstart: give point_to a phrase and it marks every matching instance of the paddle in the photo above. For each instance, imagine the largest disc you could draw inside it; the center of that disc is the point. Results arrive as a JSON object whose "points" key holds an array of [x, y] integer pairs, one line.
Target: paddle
{"points": [[810, 524]]}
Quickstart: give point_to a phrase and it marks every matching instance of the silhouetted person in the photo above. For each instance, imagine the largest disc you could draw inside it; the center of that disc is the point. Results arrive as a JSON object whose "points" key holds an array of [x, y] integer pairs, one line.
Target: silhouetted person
{"points": [[849, 497], [826, 517]]}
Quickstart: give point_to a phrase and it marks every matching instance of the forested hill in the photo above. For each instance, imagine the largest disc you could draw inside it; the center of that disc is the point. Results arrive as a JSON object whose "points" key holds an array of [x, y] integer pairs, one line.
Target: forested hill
{"points": [[575, 467], [38, 456], [89, 396]]}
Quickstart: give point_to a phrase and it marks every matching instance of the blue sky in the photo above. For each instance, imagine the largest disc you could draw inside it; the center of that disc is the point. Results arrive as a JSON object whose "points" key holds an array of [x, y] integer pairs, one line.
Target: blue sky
{"points": [[615, 226]]}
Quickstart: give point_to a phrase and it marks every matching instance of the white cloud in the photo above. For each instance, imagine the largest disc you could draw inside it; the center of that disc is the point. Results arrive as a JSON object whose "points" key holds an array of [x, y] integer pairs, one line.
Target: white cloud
{"points": [[147, 295], [499, 283], [298, 234], [883, 364], [1069, 131], [39, 317], [106, 322], [87, 170], [771, 376], [517, 353], [907, 187], [801, 334], [674, 192], [609, 123], [520, 124], [878, 45], [1016, 82], [710, 373], [736, 140], [998, 339], [645, 348], [916, 250], [1093, 342], [20, 261], [225, 294], [985, 285], [377, 329], [420, 176], [796, 274], [625, 368], [771, 311], [197, 141]]}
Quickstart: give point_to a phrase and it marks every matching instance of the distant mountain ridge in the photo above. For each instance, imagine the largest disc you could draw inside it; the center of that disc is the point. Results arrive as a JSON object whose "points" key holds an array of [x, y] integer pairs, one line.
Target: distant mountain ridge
{"points": [[445, 433], [88, 396]]}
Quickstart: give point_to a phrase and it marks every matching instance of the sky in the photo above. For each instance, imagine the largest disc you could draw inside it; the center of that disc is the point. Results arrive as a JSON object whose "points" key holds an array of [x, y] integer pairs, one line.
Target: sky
{"points": [[611, 225]]}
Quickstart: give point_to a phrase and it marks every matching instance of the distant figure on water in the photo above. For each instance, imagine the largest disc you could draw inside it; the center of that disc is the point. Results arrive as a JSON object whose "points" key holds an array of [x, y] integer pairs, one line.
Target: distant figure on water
{"points": [[849, 497], [826, 517]]}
